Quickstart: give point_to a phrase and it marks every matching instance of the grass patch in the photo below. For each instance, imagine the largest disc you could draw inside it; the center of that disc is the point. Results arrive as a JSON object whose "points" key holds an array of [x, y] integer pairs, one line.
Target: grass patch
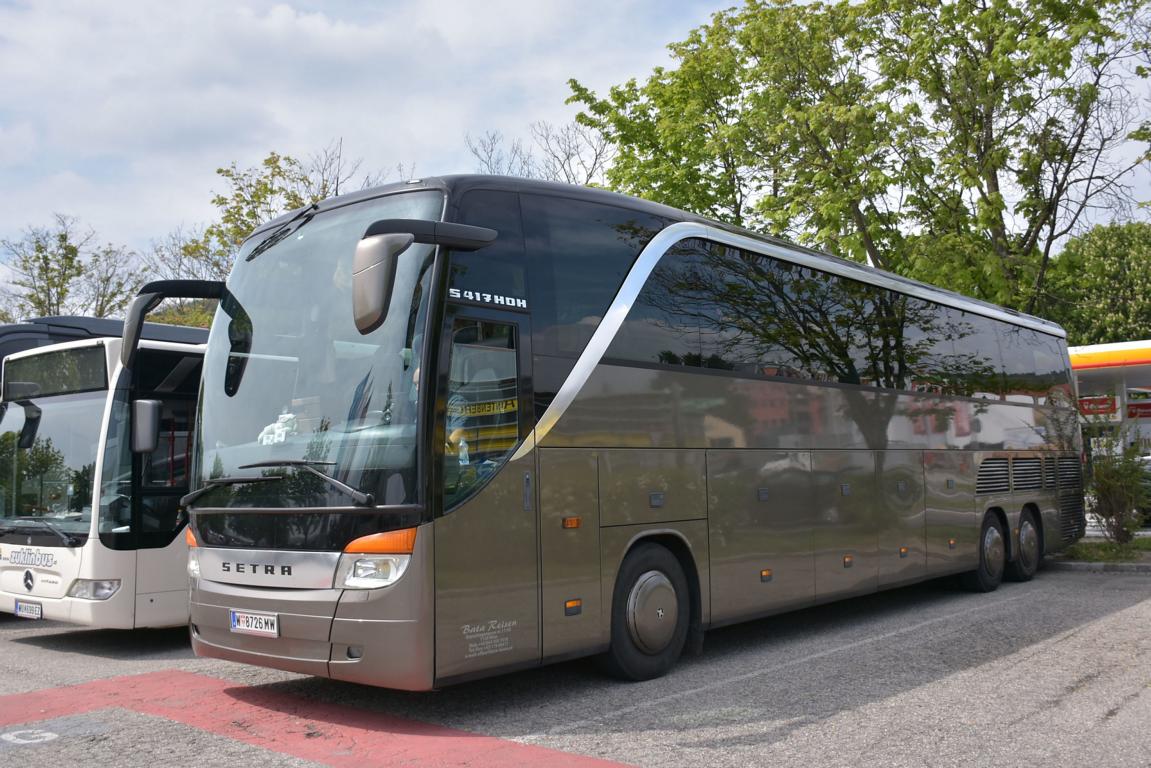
{"points": [[1106, 552]]}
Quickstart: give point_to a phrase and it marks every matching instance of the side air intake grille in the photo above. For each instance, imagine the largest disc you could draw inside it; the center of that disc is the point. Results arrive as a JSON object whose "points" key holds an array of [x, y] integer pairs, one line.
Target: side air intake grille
{"points": [[994, 477], [1070, 474], [1071, 520], [1049, 472], [1027, 474]]}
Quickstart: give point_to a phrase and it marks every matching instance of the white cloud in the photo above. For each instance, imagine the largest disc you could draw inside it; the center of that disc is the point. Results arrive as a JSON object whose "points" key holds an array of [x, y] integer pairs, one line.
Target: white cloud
{"points": [[120, 112]]}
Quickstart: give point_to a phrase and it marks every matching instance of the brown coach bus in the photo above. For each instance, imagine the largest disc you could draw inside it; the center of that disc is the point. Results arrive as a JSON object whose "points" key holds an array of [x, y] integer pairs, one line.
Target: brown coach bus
{"points": [[465, 425]]}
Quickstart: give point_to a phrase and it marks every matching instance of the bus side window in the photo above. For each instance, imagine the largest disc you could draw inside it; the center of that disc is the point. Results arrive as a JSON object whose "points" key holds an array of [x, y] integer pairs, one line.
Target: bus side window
{"points": [[482, 414]]}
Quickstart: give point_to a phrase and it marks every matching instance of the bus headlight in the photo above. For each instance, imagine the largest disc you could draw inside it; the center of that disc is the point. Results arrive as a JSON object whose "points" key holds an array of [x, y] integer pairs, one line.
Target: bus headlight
{"points": [[193, 564], [357, 571], [94, 589]]}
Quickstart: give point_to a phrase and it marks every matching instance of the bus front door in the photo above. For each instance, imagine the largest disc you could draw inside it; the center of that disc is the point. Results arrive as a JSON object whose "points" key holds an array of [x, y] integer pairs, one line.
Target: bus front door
{"points": [[486, 567]]}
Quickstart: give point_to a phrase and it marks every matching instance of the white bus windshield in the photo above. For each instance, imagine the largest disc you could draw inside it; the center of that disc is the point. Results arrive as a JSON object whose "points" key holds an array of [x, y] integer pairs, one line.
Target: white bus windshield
{"points": [[48, 449]]}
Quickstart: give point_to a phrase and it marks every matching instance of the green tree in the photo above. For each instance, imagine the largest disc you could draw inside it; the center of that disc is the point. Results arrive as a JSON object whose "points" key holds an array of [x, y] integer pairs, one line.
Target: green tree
{"points": [[252, 196], [61, 269], [958, 143], [1099, 288]]}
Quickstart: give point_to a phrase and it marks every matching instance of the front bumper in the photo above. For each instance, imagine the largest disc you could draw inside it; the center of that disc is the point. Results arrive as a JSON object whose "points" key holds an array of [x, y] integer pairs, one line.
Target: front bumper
{"points": [[382, 637]]}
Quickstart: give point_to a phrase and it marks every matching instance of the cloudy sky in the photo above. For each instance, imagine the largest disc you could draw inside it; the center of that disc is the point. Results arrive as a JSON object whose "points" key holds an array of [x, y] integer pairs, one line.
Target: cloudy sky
{"points": [[120, 112]]}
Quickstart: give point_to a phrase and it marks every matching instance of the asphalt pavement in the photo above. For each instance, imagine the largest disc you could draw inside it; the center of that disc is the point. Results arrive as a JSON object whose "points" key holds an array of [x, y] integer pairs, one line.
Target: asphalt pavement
{"points": [[1056, 671]]}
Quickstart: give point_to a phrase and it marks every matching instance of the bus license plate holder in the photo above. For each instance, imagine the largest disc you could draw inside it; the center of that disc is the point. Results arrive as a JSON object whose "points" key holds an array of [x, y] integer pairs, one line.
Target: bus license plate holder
{"points": [[254, 623], [27, 610]]}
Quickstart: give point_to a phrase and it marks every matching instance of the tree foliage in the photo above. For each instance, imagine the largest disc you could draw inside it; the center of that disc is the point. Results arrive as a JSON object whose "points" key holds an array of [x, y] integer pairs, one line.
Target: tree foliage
{"points": [[1099, 288], [252, 196], [958, 143], [62, 269]]}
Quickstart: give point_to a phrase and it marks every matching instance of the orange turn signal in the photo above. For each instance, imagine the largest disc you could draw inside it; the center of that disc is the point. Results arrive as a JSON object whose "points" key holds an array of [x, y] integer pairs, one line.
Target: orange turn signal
{"points": [[190, 537], [571, 522], [399, 542]]}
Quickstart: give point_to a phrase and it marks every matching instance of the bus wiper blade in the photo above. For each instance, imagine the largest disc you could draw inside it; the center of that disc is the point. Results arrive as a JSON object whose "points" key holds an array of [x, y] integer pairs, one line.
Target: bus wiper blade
{"points": [[361, 498], [68, 539], [282, 231], [216, 482]]}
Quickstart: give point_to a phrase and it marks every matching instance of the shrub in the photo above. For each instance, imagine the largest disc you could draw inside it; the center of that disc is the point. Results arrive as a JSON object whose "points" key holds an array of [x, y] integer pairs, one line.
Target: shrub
{"points": [[1118, 487]]}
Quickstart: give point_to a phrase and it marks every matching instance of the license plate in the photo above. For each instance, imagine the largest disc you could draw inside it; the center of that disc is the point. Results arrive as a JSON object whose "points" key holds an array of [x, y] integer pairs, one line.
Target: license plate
{"points": [[262, 624], [29, 610]]}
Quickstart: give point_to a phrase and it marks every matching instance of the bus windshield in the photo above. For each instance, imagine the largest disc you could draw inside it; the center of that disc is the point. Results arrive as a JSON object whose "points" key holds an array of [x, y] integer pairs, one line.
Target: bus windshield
{"points": [[329, 415], [48, 449]]}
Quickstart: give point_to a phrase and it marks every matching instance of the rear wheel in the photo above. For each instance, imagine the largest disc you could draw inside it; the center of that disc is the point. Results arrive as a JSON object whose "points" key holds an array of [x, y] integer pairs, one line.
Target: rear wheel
{"points": [[649, 615], [992, 557], [1027, 560]]}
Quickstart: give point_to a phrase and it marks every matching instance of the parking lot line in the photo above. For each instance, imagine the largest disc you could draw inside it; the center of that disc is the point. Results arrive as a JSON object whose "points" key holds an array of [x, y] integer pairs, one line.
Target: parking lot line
{"points": [[331, 734]]}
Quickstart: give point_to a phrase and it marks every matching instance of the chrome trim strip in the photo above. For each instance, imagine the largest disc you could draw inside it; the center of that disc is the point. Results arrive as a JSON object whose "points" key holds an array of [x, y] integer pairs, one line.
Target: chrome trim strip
{"points": [[684, 230]]}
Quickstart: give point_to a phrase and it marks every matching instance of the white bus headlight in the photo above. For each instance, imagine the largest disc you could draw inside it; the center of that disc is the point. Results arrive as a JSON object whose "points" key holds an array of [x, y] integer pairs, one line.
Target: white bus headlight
{"points": [[193, 563], [94, 589], [357, 571]]}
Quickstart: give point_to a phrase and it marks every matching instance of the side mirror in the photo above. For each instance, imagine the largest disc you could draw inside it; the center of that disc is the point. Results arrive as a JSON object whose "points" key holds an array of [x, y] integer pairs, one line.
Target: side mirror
{"points": [[145, 425], [373, 273], [374, 269], [150, 296], [31, 426]]}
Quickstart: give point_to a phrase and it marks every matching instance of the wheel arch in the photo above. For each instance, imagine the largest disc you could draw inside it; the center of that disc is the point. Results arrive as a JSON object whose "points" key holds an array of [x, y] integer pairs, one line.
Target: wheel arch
{"points": [[674, 542]]}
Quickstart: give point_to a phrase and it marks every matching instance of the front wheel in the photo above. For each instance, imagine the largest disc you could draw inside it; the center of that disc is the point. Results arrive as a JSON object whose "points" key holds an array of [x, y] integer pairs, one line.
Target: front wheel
{"points": [[649, 615], [1030, 554], [992, 557]]}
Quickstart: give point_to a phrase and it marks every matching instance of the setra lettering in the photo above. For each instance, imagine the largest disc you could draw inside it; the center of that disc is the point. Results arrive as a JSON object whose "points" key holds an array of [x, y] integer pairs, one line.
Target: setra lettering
{"points": [[256, 569]]}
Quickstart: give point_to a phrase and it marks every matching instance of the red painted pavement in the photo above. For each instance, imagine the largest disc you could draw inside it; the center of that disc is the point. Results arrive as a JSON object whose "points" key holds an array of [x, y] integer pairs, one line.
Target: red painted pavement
{"points": [[325, 733]]}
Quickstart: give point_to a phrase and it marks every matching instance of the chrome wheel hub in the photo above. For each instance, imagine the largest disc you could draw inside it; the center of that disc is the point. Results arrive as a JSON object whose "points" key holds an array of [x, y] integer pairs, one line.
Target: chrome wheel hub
{"points": [[1028, 544], [993, 551], [652, 612]]}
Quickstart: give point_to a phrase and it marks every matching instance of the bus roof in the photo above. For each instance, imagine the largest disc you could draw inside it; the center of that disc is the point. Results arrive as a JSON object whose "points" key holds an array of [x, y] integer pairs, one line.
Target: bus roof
{"points": [[455, 185], [41, 331]]}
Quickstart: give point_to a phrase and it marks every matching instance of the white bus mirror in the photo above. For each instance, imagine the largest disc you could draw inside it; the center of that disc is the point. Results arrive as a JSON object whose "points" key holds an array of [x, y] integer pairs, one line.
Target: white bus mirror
{"points": [[145, 425]]}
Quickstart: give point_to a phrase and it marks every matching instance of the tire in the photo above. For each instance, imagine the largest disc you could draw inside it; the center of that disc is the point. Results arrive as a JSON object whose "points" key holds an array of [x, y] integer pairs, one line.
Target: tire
{"points": [[649, 616], [1030, 554], [992, 557]]}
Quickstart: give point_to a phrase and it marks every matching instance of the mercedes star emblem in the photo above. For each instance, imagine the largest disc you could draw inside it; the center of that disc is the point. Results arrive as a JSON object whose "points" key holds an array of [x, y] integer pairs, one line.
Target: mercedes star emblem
{"points": [[28, 580]]}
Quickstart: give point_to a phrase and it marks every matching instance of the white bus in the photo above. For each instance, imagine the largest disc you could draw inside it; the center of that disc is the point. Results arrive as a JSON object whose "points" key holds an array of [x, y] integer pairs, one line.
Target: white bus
{"points": [[91, 531]]}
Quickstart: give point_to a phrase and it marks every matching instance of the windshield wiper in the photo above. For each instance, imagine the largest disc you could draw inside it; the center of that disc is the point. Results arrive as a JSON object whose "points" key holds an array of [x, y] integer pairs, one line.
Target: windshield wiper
{"points": [[361, 498], [283, 231], [68, 539], [216, 482]]}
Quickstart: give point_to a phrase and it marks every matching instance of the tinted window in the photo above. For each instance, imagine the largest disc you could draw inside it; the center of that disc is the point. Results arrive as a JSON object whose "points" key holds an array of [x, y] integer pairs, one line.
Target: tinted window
{"points": [[496, 273], [710, 306], [664, 323], [977, 369], [482, 414], [1032, 364], [55, 373], [579, 254]]}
